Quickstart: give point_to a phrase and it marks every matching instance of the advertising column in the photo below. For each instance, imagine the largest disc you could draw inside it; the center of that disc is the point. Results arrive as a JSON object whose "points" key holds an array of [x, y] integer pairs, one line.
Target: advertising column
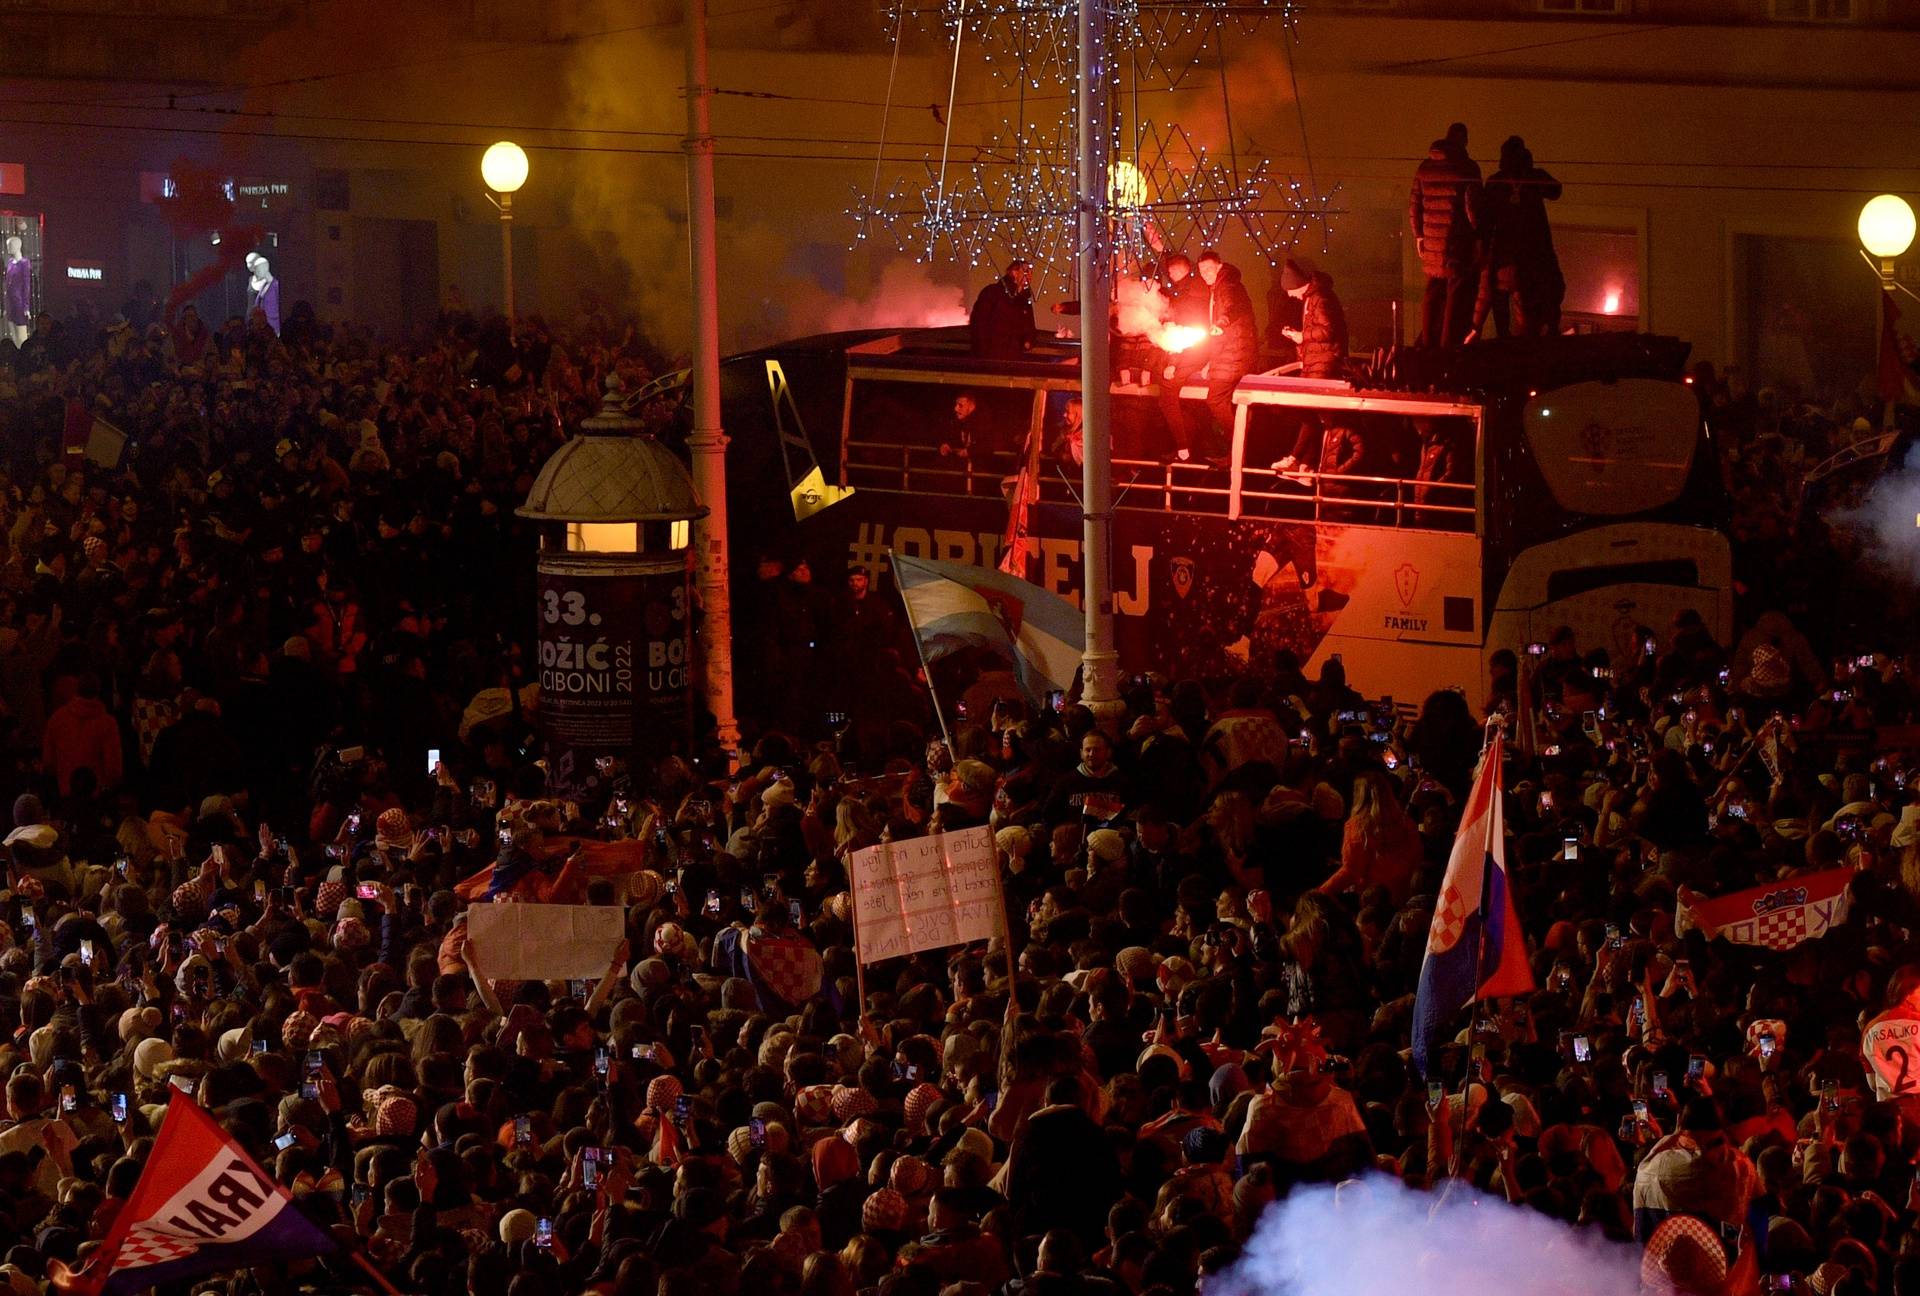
{"points": [[614, 677]]}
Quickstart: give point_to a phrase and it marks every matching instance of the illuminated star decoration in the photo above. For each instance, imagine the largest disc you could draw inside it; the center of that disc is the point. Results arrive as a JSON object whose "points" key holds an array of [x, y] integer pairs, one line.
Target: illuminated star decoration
{"points": [[1013, 196]]}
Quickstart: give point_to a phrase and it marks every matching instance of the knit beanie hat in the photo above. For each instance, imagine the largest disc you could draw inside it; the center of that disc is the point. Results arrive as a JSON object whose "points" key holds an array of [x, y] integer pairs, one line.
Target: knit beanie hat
{"points": [[884, 1212], [1292, 276]]}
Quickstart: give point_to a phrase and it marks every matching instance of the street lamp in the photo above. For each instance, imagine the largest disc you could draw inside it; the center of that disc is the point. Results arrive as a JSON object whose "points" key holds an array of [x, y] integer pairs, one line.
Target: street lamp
{"points": [[504, 167], [1886, 232]]}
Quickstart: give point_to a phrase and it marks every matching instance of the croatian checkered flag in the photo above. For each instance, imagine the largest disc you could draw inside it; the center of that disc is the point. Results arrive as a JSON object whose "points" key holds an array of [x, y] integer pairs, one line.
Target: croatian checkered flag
{"points": [[202, 1206], [1475, 949]]}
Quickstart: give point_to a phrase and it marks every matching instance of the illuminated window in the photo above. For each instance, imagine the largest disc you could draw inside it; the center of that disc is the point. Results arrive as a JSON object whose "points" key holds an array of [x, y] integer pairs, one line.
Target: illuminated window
{"points": [[1602, 271], [603, 537], [1583, 6], [1813, 10]]}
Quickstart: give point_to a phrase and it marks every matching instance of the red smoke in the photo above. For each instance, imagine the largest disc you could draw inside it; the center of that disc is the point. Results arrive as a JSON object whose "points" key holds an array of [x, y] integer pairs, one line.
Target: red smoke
{"points": [[200, 206]]}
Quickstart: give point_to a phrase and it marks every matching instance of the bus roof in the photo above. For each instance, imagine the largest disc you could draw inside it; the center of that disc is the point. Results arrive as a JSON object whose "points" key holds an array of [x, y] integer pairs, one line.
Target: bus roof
{"points": [[1441, 382]]}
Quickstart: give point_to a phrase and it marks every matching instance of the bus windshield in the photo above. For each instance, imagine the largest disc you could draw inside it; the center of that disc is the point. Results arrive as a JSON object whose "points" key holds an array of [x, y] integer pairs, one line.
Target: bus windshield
{"points": [[1610, 449]]}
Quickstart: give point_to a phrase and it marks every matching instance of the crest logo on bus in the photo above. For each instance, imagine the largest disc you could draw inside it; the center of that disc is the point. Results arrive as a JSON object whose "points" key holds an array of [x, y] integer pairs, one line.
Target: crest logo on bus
{"points": [[1182, 576], [1406, 583]]}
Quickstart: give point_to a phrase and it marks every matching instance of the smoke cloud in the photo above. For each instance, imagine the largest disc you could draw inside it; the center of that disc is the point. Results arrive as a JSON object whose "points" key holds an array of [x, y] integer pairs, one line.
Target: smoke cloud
{"points": [[906, 296], [1376, 1237], [1886, 521]]}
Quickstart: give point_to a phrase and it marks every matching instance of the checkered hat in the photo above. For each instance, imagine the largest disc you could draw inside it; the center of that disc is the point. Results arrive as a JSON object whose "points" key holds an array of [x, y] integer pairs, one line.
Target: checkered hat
{"points": [[645, 888], [298, 1028], [394, 1113], [662, 1090], [670, 940], [740, 1145], [921, 1100], [850, 1104], [329, 897], [813, 1105], [1683, 1255], [911, 1177], [885, 1211]]}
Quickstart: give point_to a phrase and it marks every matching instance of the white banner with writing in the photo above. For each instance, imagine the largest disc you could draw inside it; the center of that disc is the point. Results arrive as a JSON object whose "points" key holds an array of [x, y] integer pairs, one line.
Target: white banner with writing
{"points": [[925, 893]]}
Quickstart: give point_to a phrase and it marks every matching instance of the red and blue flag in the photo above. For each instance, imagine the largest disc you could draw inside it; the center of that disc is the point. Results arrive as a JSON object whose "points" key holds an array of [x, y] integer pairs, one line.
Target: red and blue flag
{"points": [[202, 1206], [1475, 950]]}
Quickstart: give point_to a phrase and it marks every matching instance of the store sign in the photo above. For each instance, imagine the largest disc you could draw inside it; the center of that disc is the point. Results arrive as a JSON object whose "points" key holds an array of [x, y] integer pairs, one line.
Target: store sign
{"points": [[13, 178], [87, 272]]}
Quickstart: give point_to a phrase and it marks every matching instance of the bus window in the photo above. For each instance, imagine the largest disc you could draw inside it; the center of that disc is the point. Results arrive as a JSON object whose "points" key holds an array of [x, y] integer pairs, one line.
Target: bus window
{"points": [[1363, 468], [934, 437], [1613, 448]]}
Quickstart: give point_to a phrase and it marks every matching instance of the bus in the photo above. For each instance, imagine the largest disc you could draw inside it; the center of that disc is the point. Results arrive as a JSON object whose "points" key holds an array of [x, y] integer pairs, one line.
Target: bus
{"points": [[1488, 496]]}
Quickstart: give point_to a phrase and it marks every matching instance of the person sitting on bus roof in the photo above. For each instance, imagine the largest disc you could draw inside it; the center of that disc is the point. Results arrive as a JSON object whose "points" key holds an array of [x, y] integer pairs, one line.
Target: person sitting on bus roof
{"points": [[1322, 335], [1001, 323]]}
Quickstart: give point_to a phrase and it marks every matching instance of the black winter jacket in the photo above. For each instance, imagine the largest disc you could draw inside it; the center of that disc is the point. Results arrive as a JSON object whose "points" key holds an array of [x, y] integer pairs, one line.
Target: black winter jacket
{"points": [[1323, 330], [1001, 324], [1236, 350], [1444, 210]]}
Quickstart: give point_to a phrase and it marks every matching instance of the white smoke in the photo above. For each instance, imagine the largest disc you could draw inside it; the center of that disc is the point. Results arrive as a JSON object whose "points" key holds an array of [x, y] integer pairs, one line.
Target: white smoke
{"points": [[1377, 1237], [1886, 521]]}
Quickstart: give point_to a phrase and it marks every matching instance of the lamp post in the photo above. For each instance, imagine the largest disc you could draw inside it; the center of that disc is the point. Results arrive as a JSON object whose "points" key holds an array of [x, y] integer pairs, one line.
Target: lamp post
{"points": [[616, 511], [504, 167], [1886, 231]]}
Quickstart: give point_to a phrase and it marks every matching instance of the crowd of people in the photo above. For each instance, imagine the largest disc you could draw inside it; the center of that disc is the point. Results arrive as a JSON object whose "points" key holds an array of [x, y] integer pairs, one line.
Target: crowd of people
{"points": [[232, 872]]}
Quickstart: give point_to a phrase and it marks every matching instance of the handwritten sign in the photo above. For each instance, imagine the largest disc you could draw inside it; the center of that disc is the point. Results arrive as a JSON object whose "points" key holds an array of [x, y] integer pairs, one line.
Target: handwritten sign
{"points": [[543, 942], [925, 893], [1891, 1044]]}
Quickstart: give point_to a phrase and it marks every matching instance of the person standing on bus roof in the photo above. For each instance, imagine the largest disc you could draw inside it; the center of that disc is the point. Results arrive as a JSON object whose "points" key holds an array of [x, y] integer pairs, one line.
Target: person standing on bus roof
{"points": [[1322, 335], [1001, 324], [1235, 347], [1522, 268], [1444, 211], [1186, 308]]}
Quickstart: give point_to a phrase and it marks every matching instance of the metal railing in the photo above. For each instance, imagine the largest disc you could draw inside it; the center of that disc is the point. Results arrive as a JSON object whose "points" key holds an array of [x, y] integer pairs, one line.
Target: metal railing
{"points": [[1151, 485]]}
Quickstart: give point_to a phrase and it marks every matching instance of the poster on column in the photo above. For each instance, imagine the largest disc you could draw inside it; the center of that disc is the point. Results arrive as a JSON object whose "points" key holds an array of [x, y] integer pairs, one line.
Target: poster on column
{"points": [[614, 678], [925, 893]]}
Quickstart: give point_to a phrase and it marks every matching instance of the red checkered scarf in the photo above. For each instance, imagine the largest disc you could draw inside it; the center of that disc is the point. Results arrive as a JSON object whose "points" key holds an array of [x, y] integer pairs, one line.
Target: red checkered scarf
{"points": [[787, 965], [1684, 1255]]}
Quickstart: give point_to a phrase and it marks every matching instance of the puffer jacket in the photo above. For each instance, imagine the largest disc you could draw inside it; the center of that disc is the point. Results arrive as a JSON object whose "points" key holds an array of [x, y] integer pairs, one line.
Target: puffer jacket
{"points": [[1230, 308], [1444, 210], [1323, 330]]}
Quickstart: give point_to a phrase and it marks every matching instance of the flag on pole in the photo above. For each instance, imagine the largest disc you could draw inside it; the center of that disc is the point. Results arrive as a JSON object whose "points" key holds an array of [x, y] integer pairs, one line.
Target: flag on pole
{"points": [[1474, 948], [202, 1206], [1776, 916], [953, 606], [1893, 367]]}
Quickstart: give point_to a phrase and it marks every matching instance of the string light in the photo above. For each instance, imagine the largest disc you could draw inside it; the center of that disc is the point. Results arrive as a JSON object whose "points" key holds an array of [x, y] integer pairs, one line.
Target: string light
{"points": [[1016, 198]]}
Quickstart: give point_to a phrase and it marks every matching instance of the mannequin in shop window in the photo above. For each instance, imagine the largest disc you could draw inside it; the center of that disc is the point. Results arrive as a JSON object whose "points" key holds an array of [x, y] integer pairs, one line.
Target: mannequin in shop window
{"points": [[263, 291], [19, 293]]}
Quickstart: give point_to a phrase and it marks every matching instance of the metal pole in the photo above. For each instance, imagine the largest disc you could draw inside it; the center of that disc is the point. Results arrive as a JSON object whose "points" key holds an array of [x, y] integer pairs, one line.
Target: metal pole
{"points": [[708, 441], [506, 248], [1100, 664]]}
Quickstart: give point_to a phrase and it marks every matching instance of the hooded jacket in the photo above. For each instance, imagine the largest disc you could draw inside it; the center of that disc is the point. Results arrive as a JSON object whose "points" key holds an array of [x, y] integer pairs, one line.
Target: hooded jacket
{"points": [[1444, 210], [81, 734]]}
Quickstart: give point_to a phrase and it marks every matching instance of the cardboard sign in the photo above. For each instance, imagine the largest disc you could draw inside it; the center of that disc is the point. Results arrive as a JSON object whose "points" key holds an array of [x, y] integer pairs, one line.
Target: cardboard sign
{"points": [[925, 893], [1891, 1045], [544, 942]]}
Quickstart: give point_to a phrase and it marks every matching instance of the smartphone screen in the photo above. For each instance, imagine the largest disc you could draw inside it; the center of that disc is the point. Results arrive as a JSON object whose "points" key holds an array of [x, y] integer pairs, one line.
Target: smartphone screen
{"points": [[119, 1109], [285, 1141], [796, 913], [1660, 1089], [1436, 1093], [1696, 1067], [433, 759], [1582, 1049], [543, 1233], [86, 952], [1570, 848], [590, 1167], [522, 1131]]}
